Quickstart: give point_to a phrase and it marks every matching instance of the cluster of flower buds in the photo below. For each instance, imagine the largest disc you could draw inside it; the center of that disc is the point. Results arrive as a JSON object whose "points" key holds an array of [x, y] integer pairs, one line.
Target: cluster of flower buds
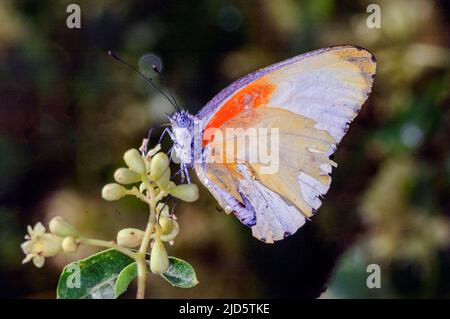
{"points": [[40, 244], [152, 172]]}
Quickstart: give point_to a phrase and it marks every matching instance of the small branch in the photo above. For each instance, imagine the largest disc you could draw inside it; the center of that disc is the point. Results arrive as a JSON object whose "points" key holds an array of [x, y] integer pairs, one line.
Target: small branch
{"points": [[108, 244], [134, 191], [140, 258]]}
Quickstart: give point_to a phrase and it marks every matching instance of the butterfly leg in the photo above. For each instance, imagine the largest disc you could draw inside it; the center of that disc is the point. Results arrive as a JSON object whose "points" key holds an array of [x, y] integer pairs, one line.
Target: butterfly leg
{"points": [[149, 135], [184, 172], [185, 168], [176, 174], [183, 176], [166, 130], [172, 136], [180, 172]]}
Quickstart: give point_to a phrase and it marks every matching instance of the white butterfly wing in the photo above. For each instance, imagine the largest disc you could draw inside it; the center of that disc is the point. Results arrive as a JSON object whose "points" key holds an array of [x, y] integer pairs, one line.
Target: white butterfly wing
{"points": [[311, 99]]}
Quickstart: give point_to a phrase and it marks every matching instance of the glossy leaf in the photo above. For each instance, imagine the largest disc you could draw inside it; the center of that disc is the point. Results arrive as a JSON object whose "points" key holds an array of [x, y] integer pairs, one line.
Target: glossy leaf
{"points": [[180, 273], [93, 277], [124, 279]]}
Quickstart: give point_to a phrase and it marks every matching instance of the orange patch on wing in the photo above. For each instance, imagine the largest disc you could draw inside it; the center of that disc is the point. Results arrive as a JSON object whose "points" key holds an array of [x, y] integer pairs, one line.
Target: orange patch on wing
{"points": [[251, 96], [232, 167]]}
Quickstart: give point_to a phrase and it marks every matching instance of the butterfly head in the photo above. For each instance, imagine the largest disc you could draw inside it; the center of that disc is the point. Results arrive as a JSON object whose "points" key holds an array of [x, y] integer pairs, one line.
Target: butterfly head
{"points": [[182, 134], [181, 119]]}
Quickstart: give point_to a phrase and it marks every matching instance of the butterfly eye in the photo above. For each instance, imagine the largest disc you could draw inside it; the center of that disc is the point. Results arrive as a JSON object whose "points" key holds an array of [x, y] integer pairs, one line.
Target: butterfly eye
{"points": [[183, 121]]}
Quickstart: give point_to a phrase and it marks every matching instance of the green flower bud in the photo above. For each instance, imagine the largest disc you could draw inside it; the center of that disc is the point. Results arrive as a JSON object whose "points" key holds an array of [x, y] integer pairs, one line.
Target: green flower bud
{"points": [[185, 192], [162, 209], [61, 227], [163, 181], [158, 166], [169, 229], [171, 185], [113, 191], [126, 176], [69, 245], [130, 237], [166, 224], [134, 161], [159, 261]]}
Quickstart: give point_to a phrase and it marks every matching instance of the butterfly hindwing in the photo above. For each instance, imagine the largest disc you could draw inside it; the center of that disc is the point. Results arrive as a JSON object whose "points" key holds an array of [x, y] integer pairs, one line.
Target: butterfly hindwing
{"points": [[273, 217]]}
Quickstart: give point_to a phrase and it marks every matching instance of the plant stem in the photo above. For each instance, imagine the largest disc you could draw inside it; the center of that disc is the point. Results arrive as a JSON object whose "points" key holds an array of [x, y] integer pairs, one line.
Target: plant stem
{"points": [[134, 191], [140, 258], [107, 244]]}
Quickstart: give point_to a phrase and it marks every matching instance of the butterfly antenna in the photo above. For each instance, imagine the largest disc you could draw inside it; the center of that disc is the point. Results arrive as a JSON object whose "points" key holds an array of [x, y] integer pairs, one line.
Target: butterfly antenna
{"points": [[154, 68], [175, 101], [146, 79]]}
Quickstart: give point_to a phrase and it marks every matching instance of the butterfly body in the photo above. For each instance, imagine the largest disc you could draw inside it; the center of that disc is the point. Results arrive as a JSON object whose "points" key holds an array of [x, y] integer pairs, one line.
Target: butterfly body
{"points": [[183, 134], [303, 105]]}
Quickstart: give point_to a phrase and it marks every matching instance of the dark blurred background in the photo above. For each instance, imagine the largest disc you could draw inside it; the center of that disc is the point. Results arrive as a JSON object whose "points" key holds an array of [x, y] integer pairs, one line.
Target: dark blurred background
{"points": [[68, 112]]}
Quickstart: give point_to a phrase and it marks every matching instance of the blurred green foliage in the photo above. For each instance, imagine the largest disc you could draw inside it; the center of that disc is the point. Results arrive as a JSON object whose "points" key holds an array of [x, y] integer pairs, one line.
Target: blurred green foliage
{"points": [[68, 111]]}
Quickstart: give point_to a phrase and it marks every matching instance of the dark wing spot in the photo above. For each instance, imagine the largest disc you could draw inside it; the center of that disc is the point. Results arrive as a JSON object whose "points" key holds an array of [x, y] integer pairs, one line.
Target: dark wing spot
{"points": [[251, 222], [374, 59], [359, 48]]}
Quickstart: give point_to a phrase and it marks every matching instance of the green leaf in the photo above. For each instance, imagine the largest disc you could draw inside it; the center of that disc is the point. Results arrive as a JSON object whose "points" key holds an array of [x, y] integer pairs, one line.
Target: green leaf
{"points": [[124, 279], [93, 277], [180, 273]]}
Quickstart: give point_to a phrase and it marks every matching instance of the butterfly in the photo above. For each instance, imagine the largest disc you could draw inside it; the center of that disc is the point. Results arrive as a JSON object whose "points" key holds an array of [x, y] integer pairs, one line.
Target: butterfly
{"points": [[309, 100]]}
